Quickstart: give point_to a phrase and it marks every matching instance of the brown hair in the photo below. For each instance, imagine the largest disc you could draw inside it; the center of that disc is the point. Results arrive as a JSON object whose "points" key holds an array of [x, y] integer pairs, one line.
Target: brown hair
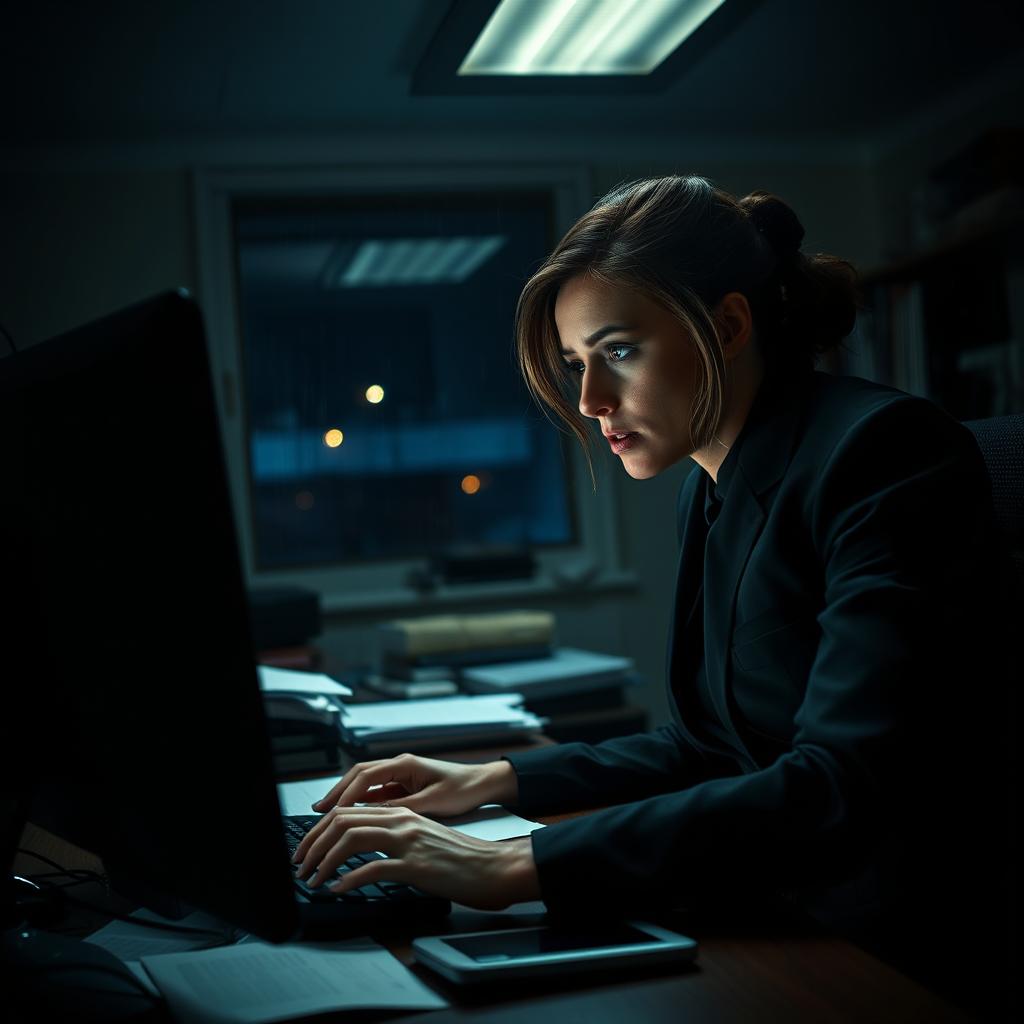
{"points": [[685, 244]]}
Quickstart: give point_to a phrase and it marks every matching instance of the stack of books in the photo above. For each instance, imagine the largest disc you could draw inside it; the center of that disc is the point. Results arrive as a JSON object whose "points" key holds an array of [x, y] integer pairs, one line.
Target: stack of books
{"points": [[383, 728], [567, 680], [425, 657]]}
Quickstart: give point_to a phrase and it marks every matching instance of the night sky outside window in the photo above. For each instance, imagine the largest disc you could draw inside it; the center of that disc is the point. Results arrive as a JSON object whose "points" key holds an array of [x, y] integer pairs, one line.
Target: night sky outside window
{"points": [[385, 417]]}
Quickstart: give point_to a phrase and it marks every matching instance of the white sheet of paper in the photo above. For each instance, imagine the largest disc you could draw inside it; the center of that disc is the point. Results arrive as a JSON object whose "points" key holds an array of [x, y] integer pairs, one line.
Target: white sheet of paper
{"points": [[129, 941], [491, 822], [437, 712], [286, 680], [255, 982], [144, 979], [299, 797]]}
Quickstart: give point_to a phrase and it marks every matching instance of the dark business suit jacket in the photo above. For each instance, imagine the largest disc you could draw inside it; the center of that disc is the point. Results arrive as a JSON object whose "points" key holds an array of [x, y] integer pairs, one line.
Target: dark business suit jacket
{"points": [[847, 753]]}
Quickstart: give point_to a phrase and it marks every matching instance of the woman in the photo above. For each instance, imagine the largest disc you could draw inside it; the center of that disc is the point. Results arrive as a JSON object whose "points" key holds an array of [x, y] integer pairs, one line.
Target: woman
{"points": [[829, 667]]}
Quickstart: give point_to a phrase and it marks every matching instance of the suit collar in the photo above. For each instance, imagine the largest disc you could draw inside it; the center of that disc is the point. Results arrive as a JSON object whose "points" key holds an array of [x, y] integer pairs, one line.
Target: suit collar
{"points": [[766, 441]]}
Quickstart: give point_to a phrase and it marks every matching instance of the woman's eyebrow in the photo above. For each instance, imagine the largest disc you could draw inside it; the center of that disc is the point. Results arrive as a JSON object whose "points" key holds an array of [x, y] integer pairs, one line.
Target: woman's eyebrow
{"points": [[600, 333]]}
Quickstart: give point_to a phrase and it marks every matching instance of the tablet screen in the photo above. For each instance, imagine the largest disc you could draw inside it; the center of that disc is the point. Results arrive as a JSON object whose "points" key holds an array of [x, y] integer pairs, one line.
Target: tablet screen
{"points": [[540, 941]]}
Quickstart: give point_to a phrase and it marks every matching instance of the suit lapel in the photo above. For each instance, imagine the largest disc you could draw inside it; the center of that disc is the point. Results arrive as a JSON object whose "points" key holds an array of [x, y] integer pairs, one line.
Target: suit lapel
{"points": [[729, 545], [691, 548], [682, 639], [766, 446]]}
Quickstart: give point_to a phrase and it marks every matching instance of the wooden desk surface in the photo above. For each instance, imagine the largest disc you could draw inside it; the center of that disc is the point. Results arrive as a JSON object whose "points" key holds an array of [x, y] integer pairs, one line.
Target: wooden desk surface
{"points": [[743, 973], [748, 970]]}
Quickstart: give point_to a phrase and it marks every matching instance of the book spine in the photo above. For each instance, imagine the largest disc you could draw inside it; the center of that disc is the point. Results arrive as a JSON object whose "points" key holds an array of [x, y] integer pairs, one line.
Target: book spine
{"points": [[548, 686], [404, 689], [434, 635], [445, 664]]}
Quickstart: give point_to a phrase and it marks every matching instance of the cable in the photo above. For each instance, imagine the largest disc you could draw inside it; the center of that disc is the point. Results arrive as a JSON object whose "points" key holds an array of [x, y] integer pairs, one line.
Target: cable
{"points": [[158, 925], [60, 867], [45, 880], [162, 926]]}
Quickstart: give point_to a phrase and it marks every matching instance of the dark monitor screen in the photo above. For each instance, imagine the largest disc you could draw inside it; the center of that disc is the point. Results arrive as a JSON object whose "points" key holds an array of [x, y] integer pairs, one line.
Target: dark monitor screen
{"points": [[133, 724]]}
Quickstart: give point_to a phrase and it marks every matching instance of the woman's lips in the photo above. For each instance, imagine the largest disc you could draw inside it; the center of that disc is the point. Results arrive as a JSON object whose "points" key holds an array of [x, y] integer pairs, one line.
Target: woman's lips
{"points": [[623, 442]]}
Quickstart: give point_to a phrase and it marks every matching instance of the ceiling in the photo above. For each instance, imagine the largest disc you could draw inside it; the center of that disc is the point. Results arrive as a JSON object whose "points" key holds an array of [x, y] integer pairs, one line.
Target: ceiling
{"points": [[162, 69]]}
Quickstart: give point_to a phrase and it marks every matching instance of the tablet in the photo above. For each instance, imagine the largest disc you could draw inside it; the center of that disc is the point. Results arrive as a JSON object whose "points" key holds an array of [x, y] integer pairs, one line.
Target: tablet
{"points": [[473, 957]]}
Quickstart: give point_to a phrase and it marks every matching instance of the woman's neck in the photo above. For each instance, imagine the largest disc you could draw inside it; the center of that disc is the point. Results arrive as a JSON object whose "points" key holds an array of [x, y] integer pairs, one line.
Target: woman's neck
{"points": [[746, 375]]}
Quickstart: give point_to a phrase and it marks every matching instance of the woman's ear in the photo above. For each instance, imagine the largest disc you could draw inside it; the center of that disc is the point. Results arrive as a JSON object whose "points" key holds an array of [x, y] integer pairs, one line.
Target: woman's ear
{"points": [[735, 323]]}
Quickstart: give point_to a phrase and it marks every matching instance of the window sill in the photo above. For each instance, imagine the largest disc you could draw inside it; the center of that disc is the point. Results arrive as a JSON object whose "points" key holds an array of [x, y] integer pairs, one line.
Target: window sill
{"points": [[405, 599]]}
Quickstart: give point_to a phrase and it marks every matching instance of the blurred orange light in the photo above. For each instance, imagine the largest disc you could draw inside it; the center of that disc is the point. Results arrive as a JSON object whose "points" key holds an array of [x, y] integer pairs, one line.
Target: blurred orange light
{"points": [[470, 484], [374, 394], [333, 438]]}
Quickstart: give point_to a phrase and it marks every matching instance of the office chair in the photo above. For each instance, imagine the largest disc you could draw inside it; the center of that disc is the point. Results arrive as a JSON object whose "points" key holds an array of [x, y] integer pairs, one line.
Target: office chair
{"points": [[1001, 441]]}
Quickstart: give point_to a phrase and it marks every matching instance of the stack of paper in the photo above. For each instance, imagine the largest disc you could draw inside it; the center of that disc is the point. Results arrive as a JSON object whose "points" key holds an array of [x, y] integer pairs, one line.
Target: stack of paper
{"points": [[278, 682], [302, 710], [387, 727], [568, 670]]}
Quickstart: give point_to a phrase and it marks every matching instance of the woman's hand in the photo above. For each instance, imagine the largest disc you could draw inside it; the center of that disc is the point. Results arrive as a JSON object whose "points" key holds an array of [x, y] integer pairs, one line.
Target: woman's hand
{"points": [[422, 784], [420, 852]]}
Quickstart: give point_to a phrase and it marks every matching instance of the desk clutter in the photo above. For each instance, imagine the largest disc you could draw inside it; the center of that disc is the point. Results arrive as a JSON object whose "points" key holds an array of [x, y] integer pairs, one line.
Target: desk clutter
{"points": [[499, 652], [439, 683], [219, 976], [392, 727]]}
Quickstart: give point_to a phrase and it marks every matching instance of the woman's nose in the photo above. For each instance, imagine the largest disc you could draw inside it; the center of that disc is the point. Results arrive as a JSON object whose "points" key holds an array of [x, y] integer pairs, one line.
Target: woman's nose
{"points": [[597, 393]]}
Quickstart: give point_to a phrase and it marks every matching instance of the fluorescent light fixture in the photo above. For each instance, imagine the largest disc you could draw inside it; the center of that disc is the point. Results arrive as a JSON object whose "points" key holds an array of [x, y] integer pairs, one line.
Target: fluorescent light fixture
{"points": [[583, 37], [409, 261]]}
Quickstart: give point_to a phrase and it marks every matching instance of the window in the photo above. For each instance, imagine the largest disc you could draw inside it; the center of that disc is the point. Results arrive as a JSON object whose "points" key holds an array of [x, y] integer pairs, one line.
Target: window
{"points": [[362, 338]]}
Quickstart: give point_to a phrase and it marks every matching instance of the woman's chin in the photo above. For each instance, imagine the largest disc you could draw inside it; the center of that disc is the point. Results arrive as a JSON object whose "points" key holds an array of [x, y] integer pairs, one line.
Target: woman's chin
{"points": [[640, 469]]}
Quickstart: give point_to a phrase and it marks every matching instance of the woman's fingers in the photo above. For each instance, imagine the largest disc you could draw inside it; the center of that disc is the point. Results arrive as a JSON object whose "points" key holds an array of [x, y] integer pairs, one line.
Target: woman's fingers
{"points": [[420, 801], [328, 830], [357, 782], [339, 845], [420, 852], [388, 792], [313, 835], [332, 796], [386, 870]]}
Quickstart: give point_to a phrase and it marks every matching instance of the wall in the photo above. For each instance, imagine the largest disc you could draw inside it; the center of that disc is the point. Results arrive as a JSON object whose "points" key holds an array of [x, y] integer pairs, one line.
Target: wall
{"points": [[901, 162], [88, 232], [81, 243]]}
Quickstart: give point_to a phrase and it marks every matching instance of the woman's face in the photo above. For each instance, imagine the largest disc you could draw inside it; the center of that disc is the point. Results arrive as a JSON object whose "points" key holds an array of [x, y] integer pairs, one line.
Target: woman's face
{"points": [[636, 368]]}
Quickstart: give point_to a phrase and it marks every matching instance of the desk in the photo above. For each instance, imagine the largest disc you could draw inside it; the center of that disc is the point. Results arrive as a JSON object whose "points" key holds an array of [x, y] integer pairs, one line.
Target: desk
{"points": [[748, 970]]}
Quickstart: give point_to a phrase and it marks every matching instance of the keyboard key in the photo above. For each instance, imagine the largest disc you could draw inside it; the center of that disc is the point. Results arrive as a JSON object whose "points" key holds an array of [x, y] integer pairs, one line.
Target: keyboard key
{"points": [[372, 892]]}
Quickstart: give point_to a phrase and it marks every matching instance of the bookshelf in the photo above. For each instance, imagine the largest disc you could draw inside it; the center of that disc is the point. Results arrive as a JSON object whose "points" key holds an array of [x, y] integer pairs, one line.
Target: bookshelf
{"points": [[947, 322]]}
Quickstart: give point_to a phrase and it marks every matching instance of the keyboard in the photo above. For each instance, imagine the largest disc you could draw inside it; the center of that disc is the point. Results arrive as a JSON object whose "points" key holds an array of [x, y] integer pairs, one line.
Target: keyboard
{"points": [[377, 902]]}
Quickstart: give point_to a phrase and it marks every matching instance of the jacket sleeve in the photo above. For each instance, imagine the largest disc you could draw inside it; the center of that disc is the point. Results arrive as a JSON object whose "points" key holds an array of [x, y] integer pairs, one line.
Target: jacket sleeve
{"points": [[898, 521], [575, 776]]}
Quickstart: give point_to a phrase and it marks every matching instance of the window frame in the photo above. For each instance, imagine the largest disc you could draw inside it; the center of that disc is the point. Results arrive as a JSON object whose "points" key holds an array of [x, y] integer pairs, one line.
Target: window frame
{"points": [[592, 563]]}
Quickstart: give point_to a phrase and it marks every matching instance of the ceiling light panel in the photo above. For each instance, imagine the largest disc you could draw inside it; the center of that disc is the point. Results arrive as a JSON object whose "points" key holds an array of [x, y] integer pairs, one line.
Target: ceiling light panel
{"points": [[414, 261], [583, 37]]}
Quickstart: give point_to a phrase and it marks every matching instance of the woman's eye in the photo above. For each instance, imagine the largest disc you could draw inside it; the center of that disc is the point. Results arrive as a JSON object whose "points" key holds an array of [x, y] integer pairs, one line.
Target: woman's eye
{"points": [[574, 369], [619, 352]]}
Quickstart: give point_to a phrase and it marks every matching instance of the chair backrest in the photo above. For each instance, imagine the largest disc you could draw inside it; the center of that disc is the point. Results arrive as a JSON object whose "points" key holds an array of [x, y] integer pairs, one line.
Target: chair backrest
{"points": [[1001, 440]]}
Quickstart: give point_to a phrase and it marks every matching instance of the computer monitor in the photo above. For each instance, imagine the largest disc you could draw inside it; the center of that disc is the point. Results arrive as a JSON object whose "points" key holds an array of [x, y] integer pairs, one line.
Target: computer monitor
{"points": [[133, 723]]}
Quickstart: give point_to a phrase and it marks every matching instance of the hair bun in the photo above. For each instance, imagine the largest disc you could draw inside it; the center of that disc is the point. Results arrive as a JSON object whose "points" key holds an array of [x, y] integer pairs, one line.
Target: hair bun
{"points": [[776, 221]]}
